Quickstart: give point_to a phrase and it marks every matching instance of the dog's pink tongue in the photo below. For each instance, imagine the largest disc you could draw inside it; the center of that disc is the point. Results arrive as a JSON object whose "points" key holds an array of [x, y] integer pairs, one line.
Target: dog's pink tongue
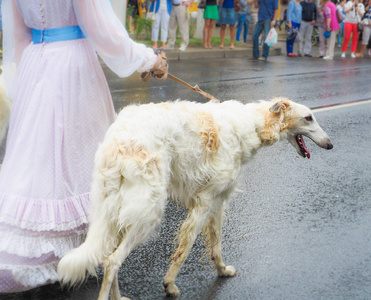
{"points": [[306, 150]]}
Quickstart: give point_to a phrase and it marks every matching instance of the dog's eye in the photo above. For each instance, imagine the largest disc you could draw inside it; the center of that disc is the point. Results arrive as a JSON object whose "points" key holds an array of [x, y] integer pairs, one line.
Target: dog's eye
{"points": [[309, 118]]}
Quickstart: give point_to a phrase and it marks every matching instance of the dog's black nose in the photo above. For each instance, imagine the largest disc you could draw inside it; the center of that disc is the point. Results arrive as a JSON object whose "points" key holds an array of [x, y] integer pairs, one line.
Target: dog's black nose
{"points": [[329, 146]]}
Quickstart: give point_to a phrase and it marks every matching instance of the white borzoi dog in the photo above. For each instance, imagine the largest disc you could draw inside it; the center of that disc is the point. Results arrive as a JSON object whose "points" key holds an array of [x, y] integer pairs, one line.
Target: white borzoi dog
{"points": [[190, 151]]}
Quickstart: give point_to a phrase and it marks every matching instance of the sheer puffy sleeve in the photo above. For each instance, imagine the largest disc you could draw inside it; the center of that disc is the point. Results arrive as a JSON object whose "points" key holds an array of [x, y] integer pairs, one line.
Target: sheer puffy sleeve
{"points": [[16, 37], [110, 39]]}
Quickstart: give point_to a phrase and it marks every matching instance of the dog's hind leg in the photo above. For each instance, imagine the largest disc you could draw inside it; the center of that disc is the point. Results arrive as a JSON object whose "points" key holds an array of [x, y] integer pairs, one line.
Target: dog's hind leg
{"points": [[213, 233], [141, 212], [109, 283], [115, 292], [133, 237], [189, 231]]}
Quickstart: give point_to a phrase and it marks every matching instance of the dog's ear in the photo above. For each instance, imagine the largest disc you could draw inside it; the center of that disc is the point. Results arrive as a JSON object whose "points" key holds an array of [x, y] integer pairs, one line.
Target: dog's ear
{"points": [[280, 105]]}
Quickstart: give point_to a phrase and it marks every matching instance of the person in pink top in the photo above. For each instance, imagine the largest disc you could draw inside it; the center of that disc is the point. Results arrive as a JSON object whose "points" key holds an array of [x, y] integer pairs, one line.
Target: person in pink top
{"points": [[62, 108], [332, 25]]}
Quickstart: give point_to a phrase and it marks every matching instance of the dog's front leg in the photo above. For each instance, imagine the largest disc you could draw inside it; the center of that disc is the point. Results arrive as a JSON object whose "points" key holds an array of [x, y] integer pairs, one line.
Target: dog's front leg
{"points": [[213, 233], [188, 233]]}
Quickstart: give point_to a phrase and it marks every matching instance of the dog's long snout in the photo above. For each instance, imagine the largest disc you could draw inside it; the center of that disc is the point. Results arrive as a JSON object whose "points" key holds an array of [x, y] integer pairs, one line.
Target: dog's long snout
{"points": [[321, 138], [324, 143]]}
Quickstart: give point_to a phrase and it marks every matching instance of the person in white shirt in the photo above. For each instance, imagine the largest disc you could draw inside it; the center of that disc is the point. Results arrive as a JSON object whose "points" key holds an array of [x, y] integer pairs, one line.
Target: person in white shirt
{"points": [[179, 17], [354, 12], [366, 30]]}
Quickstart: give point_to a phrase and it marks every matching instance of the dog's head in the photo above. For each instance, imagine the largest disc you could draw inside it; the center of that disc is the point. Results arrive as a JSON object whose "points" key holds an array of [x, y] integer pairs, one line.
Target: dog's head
{"points": [[296, 121]]}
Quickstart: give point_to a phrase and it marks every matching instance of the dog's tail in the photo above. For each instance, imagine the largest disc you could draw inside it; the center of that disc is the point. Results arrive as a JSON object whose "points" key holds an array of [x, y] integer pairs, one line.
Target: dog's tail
{"points": [[74, 266], [104, 229]]}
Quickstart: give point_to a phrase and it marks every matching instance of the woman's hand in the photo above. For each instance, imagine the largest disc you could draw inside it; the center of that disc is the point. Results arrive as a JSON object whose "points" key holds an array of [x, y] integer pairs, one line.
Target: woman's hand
{"points": [[159, 71]]}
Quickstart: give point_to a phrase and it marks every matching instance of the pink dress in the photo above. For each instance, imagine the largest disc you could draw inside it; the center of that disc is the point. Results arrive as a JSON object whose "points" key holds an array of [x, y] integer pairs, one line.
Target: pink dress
{"points": [[61, 110], [330, 12]]}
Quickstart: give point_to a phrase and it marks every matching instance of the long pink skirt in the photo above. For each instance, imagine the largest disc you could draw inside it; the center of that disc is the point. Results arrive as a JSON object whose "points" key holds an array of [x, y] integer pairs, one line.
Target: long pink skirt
{"points": [[61, 112]]}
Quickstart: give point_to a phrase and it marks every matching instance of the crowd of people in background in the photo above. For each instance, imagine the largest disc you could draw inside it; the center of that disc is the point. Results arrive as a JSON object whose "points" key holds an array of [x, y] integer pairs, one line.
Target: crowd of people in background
{"points": [[346, 24], [351, 32]]}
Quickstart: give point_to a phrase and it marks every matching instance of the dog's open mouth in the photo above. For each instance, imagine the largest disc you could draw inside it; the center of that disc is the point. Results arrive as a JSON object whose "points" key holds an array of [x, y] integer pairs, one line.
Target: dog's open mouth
{"points": [[303, 149]]}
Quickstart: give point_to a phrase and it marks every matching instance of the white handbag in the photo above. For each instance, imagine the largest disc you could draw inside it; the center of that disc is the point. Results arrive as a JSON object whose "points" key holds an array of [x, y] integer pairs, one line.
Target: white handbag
{"points": [[151, 16]]}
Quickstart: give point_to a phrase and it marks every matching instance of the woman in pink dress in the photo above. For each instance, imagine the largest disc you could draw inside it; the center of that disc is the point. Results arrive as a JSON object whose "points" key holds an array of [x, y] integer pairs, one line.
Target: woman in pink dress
{"points": [[61, 110], [332, 26]]}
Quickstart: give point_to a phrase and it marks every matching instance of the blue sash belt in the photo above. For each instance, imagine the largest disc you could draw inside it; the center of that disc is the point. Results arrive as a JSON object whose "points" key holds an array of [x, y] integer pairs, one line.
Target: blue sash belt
{"points": [[56, 34]]}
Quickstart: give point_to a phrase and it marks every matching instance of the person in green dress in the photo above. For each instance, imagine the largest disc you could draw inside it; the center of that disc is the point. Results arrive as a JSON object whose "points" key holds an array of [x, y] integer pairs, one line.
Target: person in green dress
{"points": [[211, 14]]}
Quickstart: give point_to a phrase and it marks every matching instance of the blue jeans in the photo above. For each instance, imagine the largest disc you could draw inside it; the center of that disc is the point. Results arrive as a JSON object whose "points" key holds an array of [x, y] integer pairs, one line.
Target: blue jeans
{"points": [[242, 22], [341, 33], [290, 43], [259, 27]]}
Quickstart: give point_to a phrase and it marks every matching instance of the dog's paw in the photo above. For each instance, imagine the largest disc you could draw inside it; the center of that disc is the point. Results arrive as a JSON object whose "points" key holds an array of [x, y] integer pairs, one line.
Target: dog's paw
{"points": [[228, 271], [171, 290], [125, 298]]}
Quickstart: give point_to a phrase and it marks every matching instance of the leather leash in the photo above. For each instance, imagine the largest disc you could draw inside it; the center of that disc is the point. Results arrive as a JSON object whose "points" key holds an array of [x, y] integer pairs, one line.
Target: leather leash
{"points": [[194, 88]]}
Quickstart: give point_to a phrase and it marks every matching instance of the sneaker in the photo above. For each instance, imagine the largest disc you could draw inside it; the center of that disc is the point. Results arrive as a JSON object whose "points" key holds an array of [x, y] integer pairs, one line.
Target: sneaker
{"points": [[352, 55], [292, 55], [300, 55], [183, 48], [327, 57], [262, 59], [308, 55], [169, 47], [343, 55]]}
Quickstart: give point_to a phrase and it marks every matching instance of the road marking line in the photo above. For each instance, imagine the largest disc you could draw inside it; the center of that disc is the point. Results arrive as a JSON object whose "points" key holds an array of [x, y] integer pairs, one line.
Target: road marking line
{"points": [[340, 105]]}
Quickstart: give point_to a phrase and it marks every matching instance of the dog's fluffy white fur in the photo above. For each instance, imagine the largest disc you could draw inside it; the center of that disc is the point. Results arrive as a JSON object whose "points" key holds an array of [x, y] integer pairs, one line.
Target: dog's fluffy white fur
{"points": [[190, 151], [5, 107]]}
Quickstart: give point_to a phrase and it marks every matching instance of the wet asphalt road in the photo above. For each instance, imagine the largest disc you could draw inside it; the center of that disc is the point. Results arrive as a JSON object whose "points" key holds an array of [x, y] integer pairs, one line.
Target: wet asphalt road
{"points": [[298, 228]]}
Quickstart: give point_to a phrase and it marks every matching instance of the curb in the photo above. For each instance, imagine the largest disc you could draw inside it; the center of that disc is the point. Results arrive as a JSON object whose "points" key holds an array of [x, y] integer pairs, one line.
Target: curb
{"points": [[217, 53]]}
